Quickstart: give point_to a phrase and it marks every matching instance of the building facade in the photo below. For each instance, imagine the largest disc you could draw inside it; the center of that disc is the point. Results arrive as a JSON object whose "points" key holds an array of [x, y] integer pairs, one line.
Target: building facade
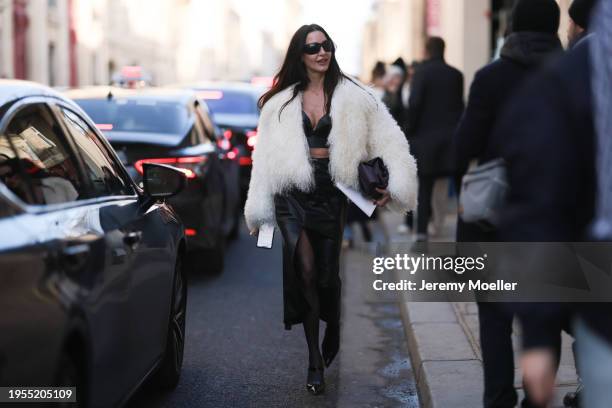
{"points": [[66, 43], [6, 39], [396, 29], [136, 32], [37, 41], [84, 42]]}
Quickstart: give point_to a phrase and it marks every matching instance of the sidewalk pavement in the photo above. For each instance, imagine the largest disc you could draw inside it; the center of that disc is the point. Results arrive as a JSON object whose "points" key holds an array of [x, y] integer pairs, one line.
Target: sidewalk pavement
{"points": [[443, 342]]}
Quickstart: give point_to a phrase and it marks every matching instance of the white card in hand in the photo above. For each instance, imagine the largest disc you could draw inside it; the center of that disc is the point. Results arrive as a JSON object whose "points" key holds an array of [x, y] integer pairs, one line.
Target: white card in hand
{"points": [[266, 234]]}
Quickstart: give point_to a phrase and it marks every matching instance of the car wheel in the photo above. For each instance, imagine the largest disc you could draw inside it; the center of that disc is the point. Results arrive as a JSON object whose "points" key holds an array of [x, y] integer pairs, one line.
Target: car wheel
{"points": [[169, 372]]}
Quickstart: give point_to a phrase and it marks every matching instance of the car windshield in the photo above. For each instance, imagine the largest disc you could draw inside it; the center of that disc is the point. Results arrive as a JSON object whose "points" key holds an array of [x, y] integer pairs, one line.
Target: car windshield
{"points": [[128, 115], [229, 102]]}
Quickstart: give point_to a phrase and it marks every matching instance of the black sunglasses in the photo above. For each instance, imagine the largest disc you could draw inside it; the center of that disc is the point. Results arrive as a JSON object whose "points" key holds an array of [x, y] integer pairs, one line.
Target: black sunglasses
{"points": [[314, 48]]}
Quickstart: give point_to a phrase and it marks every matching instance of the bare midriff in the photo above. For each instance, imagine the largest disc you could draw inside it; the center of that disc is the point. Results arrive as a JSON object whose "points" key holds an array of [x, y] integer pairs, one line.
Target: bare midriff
{"points": [[319, 152]]}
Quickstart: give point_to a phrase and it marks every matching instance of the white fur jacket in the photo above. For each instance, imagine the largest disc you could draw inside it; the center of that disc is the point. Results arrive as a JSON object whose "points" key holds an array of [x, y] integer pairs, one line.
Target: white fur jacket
{"points": [[362, 128]]}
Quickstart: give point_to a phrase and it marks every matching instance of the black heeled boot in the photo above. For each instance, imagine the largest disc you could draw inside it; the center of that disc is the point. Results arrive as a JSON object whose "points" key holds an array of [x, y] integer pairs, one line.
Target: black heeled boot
{"points": [[331, 343], [315, 382]]}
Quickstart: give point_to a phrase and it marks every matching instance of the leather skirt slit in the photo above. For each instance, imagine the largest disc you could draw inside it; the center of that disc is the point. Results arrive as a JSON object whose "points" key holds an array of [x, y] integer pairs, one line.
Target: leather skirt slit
{"points": [[322, 214]]}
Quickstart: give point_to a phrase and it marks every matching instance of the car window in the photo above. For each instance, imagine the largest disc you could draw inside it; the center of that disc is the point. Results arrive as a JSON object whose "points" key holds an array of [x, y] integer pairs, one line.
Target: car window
{"points": [[229, 102], [137, 115], [36, 163], [101, 168]]}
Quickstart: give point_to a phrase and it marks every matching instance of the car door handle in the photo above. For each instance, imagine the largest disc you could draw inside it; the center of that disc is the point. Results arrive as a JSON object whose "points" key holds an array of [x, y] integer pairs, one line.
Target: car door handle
{"points": [[132, 238]]}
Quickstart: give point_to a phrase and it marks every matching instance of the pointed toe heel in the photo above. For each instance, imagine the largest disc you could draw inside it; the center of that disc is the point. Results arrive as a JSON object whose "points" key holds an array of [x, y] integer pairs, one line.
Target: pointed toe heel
{"points": [[315, 382]]}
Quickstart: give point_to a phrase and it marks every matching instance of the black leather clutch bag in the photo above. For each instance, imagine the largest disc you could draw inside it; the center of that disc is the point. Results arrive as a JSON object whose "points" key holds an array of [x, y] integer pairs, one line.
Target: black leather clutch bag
{"points": [[373, 174]]}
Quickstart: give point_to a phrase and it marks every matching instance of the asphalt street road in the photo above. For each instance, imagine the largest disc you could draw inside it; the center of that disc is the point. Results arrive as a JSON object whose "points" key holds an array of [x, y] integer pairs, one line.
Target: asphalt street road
{"points": [[238, 353]]}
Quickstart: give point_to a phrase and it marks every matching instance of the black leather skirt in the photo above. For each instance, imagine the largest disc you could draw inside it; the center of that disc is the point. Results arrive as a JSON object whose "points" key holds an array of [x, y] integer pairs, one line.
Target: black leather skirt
{"points": [[322, 214]]}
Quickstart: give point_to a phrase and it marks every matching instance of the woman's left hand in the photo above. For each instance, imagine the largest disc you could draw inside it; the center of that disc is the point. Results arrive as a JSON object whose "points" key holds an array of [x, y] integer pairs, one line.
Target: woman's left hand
{"points": [[386, 197]]}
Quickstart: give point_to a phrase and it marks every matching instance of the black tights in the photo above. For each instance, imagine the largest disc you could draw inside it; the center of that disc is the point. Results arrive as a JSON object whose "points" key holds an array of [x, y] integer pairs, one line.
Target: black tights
{"points": [[307, 272]]}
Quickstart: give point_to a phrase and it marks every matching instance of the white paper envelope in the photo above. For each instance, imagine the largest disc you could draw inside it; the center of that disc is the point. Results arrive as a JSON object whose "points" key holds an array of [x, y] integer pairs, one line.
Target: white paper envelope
{"points": [[365, 204], [265, 237]]}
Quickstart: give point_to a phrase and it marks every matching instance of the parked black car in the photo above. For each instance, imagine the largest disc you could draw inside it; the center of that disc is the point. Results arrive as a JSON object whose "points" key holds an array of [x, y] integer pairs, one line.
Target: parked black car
{"points": [[92, 286], [171, 126], [234, 109]]}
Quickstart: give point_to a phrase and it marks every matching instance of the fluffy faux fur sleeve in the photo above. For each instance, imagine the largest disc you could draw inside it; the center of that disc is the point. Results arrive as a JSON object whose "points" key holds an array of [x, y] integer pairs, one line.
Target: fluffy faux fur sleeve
{"points": [[386, 140], [259, 206]]}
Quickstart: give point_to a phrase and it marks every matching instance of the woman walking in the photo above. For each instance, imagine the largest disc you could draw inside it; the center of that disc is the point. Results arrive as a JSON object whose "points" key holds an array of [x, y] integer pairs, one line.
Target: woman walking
{"points": [[316, 126]]}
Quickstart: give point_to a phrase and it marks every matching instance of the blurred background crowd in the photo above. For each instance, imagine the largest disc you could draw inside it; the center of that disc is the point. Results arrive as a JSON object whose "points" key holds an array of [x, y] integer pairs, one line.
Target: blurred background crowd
{"points": [[539, 116]]}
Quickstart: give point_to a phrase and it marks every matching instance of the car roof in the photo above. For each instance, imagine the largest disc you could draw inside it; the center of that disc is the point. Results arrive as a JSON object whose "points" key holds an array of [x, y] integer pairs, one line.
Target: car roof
{"points": [[14, 89], [168, 94], [225, 86]]}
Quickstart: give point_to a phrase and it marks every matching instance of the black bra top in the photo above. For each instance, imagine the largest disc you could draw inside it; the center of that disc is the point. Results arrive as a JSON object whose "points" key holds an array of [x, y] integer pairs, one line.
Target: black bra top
{"points": [[317, 137]]}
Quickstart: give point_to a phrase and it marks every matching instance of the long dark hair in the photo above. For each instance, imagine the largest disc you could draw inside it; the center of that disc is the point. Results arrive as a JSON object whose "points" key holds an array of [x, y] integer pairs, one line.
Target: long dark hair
{"points": [[293, 70]]}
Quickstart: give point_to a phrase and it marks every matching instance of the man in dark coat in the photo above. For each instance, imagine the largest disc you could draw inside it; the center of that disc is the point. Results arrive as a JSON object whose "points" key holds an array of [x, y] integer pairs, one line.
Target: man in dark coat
{"points": [[579, 13], [548, 139], [434, 109], [532, 41]]}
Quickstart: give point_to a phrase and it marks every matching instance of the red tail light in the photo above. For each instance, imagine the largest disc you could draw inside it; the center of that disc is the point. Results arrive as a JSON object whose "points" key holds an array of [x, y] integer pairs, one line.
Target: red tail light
{"points": [[245, 161], [185, 164], [227, 134], [191, 160], [190, 232]]}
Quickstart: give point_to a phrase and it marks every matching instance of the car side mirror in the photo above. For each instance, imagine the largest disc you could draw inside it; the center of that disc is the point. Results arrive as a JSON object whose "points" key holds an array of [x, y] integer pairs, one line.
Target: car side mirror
{"points": [[161, 180]]}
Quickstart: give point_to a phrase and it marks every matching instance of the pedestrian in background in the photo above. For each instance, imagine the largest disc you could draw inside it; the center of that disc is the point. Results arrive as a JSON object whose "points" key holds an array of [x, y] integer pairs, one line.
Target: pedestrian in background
{"points": [[377, 79], [410, 70], [556, 140], [408, 224], [341, 122], [392, 98], [579, 13], [395, 92], [434, 109], [533, 40]]}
